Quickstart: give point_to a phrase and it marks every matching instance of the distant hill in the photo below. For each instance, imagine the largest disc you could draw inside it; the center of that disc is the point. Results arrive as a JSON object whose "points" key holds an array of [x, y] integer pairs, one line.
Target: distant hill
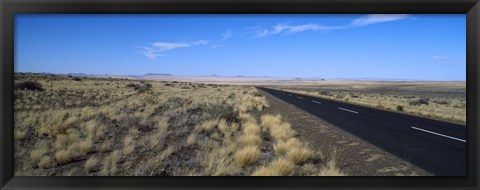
{"points": [[158, 74], [77, 74]]}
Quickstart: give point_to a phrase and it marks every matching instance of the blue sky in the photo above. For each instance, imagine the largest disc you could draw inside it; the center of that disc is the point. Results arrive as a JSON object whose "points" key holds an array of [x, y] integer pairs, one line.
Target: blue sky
{"points": [[414, 47]]}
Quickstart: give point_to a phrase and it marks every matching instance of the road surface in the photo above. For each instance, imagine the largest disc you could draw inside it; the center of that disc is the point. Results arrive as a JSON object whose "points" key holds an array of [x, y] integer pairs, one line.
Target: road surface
{"points": [[435, 146]]}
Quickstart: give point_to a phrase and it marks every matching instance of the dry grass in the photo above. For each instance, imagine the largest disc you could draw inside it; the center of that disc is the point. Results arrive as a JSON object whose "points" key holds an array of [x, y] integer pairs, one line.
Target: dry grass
{"points": [[282, 147], [63, 156], [247, 156], [99, 126], [91, 164], [45, 162], [20, 135], [299, 155], [37, 154], [437, 100], [86, 146], [278, 167]]}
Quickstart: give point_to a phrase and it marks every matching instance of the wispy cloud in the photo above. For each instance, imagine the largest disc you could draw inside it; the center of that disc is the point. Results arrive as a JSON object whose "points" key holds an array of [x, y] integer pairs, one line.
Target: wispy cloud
{"points": [[226, 35], [153, 51], [286, 29], [377, 18], [215, 46], [445, 60]]}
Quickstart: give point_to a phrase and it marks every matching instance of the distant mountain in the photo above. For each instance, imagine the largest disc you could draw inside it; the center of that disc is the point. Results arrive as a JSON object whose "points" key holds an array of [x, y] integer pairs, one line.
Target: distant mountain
{"points": [[214, 75], [158, 74], [77, 74]]}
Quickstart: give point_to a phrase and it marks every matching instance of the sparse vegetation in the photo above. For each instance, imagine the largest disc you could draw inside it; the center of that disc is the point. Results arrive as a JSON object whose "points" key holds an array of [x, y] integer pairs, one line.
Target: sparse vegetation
{"points": [[151, 128], [436, 100]]}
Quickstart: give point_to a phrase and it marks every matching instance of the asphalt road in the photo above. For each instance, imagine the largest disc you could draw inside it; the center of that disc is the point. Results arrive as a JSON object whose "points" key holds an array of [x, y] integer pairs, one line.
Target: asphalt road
{"points": [[435, 146]]}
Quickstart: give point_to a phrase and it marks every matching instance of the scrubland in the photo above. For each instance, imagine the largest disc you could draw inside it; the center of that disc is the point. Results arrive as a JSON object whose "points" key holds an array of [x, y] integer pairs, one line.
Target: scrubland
{"points": [[444, 101], [79, 126]]}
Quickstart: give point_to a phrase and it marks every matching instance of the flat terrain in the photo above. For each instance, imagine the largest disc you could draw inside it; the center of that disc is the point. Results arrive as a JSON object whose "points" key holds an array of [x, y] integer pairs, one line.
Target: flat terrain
{"points": [[435, 146], [173, 125], [90, 126]]}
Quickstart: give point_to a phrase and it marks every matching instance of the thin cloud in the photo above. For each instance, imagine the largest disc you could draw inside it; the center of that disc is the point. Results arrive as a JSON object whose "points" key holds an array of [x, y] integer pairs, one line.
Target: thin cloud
{"points": [[377, 18], [215, 46], [286, 29], [226, 35], [156, 48], [445, 60]]}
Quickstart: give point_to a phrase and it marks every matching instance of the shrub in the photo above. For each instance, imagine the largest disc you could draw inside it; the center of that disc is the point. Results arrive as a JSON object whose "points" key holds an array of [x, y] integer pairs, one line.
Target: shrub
{"points": [[299, 154], [91, 164], [63, 156], [399, 108], [419, 101], [85, 146], [140, 88], [278, 167], [247, 156], [20, 135], [29, 85], [77, 79], [37, 154], [45, 162]]}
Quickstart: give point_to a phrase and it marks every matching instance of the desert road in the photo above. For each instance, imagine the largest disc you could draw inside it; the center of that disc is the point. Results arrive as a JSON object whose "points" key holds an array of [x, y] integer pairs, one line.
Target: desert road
{"points": [[435, 146]]}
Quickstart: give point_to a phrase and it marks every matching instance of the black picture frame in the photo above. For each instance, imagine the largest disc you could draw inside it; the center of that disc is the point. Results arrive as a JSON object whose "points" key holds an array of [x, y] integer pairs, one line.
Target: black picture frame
{"points": [[8, 9]]}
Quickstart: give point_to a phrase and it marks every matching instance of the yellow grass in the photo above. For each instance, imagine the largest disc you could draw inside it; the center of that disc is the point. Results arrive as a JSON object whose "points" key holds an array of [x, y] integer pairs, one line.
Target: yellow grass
{"points": [[247, 156], [278, 167]]}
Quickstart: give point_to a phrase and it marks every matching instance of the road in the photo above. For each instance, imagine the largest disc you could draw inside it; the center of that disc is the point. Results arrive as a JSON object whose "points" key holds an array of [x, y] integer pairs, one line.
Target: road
{"points": [[435, 146]]}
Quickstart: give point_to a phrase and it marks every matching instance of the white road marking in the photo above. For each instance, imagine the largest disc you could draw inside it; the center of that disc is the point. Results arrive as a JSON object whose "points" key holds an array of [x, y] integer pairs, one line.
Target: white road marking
{"points": [[431, 132], [299, 97], [348, 110], [316, 102]]}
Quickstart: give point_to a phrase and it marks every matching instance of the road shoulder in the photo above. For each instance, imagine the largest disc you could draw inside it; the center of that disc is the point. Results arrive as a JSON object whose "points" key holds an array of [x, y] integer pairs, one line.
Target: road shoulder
{"points": [[354, 156]]}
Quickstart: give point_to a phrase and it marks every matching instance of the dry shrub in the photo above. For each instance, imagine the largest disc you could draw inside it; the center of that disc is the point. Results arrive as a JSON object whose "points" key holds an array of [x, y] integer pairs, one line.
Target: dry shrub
{"points": [[280, 131], [37, 154], [100, 132], [162, 124], [73, 136], [128, 146], [269, 120], [191, 139], [223, 126], [250, 128], [330, 170], [278, 167], [207, 125], [250, 140], [61, 142], [219, 162], [247, 118], [106, 146], [247, 156], [91, 164], [116, 156], [106, 169], [63, 156], [70, 121], [90, 127], [45, 162], [88, 112], [20, 135], [299, 154], [86, 146], [282, 147]]}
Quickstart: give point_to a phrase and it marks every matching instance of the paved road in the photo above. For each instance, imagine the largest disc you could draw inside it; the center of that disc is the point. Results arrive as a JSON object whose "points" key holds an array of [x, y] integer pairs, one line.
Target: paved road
{"points": [[435, 146]]}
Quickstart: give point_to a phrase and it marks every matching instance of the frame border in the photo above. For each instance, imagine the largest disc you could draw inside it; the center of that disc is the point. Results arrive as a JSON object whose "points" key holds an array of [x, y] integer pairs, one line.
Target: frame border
{"points": [[8, 8]]}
